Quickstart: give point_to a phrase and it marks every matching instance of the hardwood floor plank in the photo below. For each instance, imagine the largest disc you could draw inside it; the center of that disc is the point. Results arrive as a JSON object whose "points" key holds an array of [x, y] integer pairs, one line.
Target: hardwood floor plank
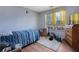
{"points": [[43, 48], [36, 47], [65, 48]]}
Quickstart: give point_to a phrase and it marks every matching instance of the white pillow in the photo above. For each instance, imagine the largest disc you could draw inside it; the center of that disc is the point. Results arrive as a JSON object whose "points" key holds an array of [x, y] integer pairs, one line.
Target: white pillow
{"points": [[5, 33]]}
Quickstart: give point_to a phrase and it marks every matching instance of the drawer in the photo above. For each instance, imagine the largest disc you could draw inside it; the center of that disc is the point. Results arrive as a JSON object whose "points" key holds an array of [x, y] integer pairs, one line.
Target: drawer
{"points": [[68, 34], [69, 31], [69, 40]]}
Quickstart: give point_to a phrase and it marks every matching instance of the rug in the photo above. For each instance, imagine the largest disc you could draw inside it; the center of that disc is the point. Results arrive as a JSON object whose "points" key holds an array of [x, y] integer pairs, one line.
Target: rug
{"points": [[54, 44]]}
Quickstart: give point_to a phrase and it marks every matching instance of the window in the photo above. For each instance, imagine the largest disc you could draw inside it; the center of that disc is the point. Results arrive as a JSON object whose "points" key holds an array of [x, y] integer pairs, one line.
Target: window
{"points": [[55, 19], [58, 18]]}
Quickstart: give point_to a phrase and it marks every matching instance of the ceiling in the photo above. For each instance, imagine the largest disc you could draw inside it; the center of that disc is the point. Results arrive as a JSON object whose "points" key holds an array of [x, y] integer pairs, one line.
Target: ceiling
{"points": [[40, 8]]}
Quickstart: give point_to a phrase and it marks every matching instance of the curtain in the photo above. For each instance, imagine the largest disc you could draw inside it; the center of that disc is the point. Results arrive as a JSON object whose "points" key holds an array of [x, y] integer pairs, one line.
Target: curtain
{"points": [[53, 16], [75, 18], [45, 21], [63, 17], [53, 19]]}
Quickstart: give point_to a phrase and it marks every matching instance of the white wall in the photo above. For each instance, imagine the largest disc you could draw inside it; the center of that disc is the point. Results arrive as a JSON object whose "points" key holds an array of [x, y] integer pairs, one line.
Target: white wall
{"points": [[42, 18], [15, 18]]}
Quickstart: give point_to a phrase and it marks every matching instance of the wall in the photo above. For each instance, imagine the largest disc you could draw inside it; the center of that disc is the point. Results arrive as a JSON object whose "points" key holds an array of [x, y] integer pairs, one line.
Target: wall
{"points": [[42, 18], [70, 10], [15, 18]]}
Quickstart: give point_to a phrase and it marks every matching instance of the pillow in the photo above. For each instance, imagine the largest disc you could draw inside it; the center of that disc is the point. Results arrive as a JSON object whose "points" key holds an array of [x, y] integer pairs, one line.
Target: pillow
{"points": [[5, 33]]}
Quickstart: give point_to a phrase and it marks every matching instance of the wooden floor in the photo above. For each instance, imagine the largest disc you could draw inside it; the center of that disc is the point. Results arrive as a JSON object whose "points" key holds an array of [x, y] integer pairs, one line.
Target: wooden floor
{"points": [[36, 47]]}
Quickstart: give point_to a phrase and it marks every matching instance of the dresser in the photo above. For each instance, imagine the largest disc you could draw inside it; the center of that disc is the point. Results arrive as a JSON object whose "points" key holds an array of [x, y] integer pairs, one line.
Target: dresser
{"points": [[75, 37], [72, 37], [68, 37]]}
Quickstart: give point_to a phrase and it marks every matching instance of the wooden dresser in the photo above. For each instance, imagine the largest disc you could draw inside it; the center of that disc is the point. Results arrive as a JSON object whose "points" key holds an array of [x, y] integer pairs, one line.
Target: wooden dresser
{"points": [[69, 36], [75, 37], [72, 37]]}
